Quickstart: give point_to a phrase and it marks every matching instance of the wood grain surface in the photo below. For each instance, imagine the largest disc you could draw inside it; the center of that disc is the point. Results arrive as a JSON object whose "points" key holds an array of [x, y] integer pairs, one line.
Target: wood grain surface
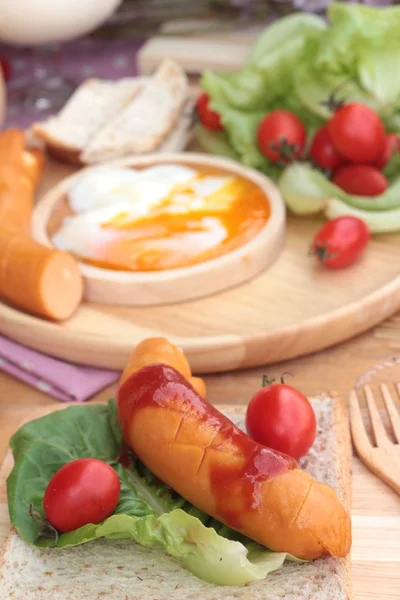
{"points": [[294, 308], [193, 54], [376, 530], [383, 456], [390, 332], [215, 49]]}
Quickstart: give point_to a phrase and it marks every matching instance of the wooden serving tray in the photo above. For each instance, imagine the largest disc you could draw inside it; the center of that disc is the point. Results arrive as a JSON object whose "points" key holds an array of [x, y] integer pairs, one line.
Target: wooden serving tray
{"points": [[375, 551], [294, 308]]}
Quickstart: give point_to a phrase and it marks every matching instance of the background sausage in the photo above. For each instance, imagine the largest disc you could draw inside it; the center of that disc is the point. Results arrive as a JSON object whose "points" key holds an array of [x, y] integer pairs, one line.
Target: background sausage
{"points": [[39, 280], [45, 282], [192, 447]]}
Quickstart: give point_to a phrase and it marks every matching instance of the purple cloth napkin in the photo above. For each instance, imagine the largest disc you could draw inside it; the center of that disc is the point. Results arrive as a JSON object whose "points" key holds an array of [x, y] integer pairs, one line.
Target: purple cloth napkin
{"points": [[76, 61], [64, 381]]}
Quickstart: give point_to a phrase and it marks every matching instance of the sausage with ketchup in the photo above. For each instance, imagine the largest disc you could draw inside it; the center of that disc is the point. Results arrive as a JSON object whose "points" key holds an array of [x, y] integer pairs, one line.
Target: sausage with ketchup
{"points": [[159, 350], [188, 444]]}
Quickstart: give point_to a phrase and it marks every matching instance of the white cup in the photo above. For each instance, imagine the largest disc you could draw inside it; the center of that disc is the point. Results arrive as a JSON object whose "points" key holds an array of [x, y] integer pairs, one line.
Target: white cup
{"points": [[37, 22]]}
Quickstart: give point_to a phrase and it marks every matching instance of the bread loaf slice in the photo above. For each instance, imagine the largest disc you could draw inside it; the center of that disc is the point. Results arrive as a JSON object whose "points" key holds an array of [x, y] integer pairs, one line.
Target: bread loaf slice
{"points": [[146, 121], [91, 107], [122, 570]]}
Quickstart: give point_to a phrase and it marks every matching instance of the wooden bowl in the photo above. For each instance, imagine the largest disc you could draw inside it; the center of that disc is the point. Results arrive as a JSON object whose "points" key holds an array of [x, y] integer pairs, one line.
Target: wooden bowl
{"points": [[175, 285]]}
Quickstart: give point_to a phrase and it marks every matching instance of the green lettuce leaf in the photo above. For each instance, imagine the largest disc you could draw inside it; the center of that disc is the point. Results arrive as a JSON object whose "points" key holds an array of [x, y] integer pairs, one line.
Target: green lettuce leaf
{"points": [[200, 549], [267, 73], [239, 140], [43, 446], [215, 142], [387, 221], [265, 83], [298, 63], [242, 132], [392, 169], [313, 86], [293, 29], [359, 52], [354, 27], [352, 60], [148, 511], [307, 190], [303, 189], [379, 74]]}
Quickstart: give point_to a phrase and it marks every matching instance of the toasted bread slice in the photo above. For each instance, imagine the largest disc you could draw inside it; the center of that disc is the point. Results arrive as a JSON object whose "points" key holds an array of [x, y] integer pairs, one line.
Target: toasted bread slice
{"points": [[146, 121], [92, 106], [175, 141], [123, 570]]}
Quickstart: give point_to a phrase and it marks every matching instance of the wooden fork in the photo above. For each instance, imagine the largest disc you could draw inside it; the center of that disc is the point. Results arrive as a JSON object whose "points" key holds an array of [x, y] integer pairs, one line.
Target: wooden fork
{"points": [[381, 454]]}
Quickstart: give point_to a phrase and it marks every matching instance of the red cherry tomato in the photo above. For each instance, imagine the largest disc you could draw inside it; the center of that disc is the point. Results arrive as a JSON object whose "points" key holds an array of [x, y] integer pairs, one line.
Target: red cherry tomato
{"points": [[340, 242], [323, 152], [281, 136], [391, 145], [83, 491], [357, 133], [281, 417], [208, 117], [6, 68], [361, 180]]}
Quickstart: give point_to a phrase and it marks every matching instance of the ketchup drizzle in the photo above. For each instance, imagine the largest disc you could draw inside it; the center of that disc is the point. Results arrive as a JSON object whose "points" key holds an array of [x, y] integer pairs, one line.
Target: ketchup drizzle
{"points": [[235, 482]]}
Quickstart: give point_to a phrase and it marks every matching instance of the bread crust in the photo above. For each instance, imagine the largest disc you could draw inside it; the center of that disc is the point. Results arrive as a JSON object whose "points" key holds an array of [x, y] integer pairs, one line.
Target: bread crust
{"points": [[123, 90], [169, 87], [175, 140], [65, 155], [41, 132]]}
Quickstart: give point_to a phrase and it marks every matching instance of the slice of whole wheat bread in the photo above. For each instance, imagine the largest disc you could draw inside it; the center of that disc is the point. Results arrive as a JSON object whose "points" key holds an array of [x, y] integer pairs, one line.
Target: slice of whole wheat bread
{"points": [[146, 121], [123, 570], [91, 107]]}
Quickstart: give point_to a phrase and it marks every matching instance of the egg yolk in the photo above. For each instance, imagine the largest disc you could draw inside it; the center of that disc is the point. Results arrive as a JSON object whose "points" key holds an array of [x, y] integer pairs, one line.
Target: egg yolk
{"points": [[185, 229]]}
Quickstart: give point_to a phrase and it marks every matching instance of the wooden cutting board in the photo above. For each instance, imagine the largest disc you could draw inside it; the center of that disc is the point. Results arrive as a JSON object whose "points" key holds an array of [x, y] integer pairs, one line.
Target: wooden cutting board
{"points": [[293, 308], [376, 530], [193, 54], [220, 49]]}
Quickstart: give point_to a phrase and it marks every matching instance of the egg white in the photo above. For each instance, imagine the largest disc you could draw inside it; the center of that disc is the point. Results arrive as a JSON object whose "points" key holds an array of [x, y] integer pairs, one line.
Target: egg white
{"points": [[105, 193], [105, 186]]}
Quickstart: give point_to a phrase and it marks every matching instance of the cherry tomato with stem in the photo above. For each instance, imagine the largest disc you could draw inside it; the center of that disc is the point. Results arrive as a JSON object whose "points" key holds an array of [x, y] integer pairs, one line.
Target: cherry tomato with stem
{"points": [[357, 133], [323, 152], [282, 418], [391, 145], [209, 118], [340, 242], [360, 180], [83, 491], [281, 136]]}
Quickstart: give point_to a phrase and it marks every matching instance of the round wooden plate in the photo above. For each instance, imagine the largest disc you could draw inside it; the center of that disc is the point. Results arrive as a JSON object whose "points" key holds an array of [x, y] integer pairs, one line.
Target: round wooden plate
{"points": [[293, 308]]}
